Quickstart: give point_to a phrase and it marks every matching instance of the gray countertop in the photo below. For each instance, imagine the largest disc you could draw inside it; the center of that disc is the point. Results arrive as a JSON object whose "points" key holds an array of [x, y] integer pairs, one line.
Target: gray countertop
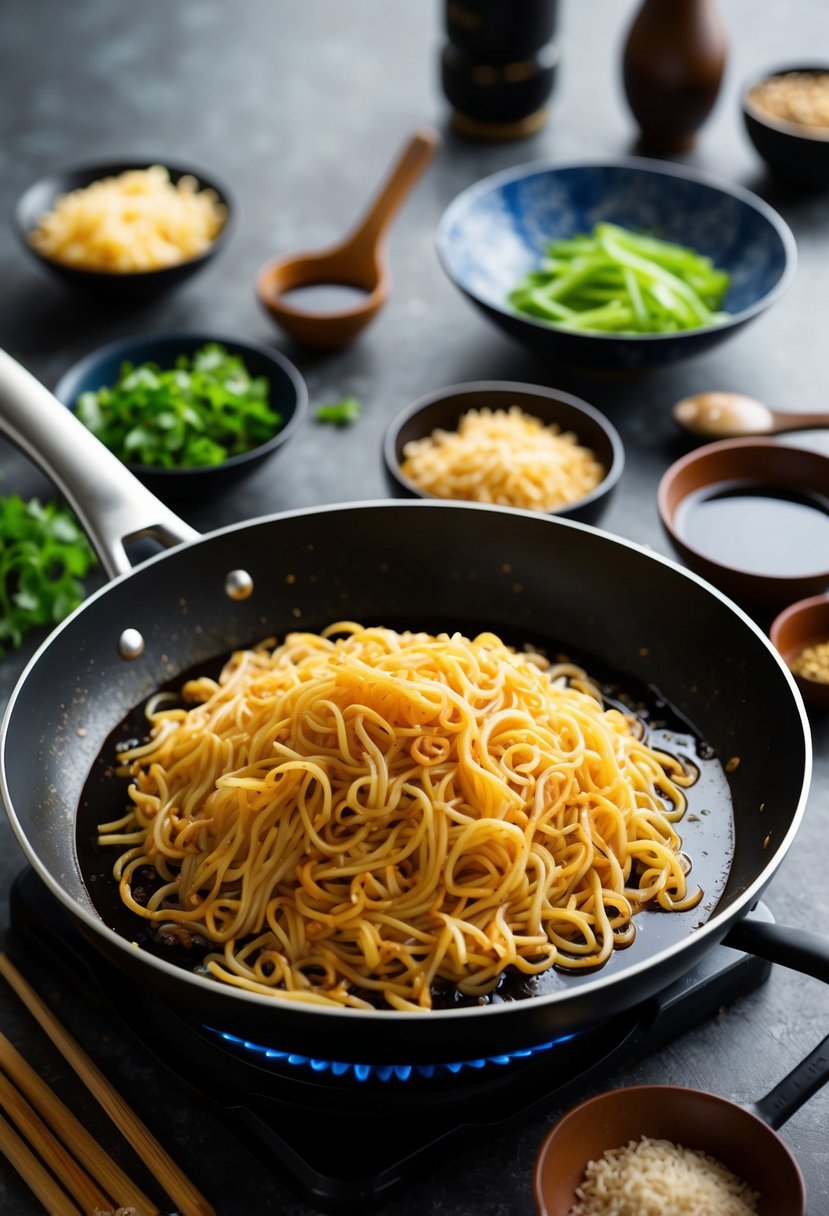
{"points": [[300, 107]]}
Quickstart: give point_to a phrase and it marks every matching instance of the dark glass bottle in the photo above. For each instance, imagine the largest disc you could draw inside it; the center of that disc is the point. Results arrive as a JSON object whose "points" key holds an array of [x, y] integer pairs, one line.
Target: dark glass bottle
{"points": [[498, 65]]}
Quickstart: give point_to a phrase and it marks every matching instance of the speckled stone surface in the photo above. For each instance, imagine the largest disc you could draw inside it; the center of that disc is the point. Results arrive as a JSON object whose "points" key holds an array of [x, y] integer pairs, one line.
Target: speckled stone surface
{"points": [[300, 107]]}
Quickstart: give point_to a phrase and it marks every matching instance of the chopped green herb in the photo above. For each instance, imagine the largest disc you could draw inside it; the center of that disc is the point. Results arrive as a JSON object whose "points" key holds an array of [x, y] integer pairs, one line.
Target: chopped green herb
{"points": [[200, 412], [340, 413], [619, 281], [43, 557]]}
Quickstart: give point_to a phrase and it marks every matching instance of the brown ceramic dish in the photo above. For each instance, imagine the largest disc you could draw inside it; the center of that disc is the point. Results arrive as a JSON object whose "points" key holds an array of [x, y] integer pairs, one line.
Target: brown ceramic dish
{"points": [[741, 1138], [756, 548], [793, 152], [803, 624]]}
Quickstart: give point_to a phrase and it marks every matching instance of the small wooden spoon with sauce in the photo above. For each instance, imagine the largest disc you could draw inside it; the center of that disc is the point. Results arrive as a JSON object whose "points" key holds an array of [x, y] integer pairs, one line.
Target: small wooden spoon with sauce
{"points": [[351, 279], [720, 415]]}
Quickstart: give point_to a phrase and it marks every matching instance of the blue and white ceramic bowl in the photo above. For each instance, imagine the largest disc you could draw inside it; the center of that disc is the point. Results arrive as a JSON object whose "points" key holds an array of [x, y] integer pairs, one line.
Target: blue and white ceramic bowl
{"points": [[493, 233]]}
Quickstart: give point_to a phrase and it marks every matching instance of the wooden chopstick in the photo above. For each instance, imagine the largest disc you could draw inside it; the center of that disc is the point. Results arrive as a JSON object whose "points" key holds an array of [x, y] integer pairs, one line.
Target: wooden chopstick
{"points": [[117, 1185], [35, 1175], [176, 1184], [89, 1195]]}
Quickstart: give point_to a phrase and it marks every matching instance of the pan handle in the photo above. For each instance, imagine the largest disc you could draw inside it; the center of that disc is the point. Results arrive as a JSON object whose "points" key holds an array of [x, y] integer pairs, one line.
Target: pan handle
{"points": [[111, 504], [805, 952], [797, 1087], [796, 948]]}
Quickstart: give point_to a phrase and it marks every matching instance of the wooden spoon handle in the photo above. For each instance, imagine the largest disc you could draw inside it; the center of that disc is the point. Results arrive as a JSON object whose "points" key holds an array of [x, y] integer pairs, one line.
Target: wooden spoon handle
{"points": [[413, 159], [790, 421]]}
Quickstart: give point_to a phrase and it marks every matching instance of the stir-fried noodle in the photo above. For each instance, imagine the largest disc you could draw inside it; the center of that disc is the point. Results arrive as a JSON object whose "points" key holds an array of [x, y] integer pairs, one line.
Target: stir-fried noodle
{"points": [[349, 818]]}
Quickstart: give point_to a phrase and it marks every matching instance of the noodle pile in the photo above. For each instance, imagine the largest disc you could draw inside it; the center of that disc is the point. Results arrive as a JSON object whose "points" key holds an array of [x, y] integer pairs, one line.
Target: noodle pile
{"points": [[505, 457], [353, 817], [138, 220]]}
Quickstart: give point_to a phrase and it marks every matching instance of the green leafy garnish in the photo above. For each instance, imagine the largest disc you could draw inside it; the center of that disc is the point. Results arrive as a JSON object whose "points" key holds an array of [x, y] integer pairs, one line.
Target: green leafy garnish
{"points": [[340, 413], [617, 281], [43, 557], [200, 412]]}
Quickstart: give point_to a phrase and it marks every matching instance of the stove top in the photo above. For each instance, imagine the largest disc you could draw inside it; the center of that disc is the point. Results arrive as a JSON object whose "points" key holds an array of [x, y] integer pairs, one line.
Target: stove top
{"points": [[410, 1114]]}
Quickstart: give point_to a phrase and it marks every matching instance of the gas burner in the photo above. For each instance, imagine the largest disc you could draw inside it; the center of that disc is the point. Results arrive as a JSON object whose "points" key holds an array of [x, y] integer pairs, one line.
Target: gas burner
{"points": [[277, 1100], [310, 1083], [384, 1073]]}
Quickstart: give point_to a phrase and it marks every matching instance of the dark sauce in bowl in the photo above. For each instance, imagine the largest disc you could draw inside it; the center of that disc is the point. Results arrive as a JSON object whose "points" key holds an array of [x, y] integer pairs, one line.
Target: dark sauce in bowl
{"points": [[757, 529], [707, 831]]}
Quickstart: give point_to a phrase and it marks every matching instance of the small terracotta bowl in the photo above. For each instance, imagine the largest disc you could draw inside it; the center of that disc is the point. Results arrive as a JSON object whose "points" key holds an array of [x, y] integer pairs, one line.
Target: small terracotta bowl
{"points": [[734, 1135], [746, 465], [803, 624]]}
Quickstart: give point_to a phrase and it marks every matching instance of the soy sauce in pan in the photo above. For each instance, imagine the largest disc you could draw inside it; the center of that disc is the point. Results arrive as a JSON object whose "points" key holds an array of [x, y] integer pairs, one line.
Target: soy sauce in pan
{"points": [[707, 830]]}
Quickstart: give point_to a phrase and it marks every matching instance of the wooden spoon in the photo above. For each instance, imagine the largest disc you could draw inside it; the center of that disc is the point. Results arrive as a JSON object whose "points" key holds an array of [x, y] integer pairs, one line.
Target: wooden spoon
{"points": [[720, 415], [357, 265]]}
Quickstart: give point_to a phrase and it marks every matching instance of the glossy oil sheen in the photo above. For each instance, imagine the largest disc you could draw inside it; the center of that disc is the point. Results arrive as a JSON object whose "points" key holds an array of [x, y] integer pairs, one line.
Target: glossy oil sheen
{"points": [[757, 529]]}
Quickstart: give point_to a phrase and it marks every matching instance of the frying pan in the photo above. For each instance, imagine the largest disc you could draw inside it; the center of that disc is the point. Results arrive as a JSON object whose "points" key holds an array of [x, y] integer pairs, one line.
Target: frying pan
{"points": [[389, 563]]}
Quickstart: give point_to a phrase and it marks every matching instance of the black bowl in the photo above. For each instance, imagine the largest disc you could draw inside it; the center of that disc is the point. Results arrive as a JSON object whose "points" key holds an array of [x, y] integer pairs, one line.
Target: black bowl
{"points": [[443, 409], [794, 153], [42, 195], [289, 397], [493, 233]]}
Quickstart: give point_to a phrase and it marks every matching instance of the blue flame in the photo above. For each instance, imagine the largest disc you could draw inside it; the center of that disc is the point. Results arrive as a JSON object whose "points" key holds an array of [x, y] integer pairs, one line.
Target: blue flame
{"points": [[382, 1072]]}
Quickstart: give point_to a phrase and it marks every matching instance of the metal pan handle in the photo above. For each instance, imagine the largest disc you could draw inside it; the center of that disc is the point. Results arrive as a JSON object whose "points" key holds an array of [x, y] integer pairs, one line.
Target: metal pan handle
{"points": [[111, 504]]}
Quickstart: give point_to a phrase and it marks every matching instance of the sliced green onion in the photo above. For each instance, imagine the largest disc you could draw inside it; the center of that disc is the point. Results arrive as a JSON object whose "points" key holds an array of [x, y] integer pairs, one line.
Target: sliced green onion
{"points": [[618, 281]]}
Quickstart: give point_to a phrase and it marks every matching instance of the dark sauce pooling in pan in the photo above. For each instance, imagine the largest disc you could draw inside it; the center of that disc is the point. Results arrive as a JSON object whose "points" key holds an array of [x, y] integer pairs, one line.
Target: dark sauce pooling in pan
{"points": [[707, 831]]}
